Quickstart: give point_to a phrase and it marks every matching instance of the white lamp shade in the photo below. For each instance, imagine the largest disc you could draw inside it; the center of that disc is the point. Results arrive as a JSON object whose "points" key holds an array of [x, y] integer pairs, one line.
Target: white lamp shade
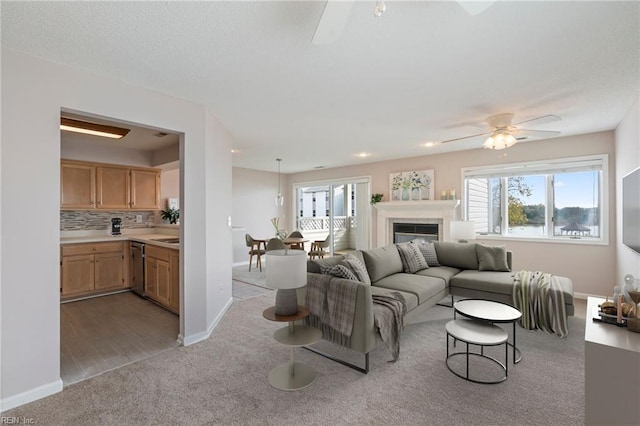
{"points": [[463, 230], [286, 269]]}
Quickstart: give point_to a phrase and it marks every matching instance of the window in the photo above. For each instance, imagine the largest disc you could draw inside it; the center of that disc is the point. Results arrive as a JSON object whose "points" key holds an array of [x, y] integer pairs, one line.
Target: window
{"points": [[560, 199]]}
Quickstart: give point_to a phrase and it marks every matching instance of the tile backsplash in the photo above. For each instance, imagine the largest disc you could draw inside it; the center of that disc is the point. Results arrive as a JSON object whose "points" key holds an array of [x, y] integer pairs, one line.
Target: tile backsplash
{"points": [[78, 220]]}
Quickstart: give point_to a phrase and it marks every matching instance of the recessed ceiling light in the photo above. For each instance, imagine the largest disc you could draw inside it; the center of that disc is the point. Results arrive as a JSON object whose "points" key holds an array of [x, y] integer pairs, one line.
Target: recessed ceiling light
{"points": [[363, 154], [429, 144]]}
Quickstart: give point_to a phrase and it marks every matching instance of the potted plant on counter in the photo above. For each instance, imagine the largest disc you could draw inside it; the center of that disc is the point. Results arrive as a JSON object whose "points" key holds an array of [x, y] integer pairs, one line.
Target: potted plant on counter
{"points": [[171, 215]]}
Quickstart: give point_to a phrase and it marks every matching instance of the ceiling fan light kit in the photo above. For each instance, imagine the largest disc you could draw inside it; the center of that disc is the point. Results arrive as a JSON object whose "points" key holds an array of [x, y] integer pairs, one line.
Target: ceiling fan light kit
{"points": [[500, 140], [379, 9]]}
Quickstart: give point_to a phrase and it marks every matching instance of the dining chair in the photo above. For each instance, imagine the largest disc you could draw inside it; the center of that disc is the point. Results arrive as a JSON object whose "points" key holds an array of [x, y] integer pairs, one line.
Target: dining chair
{"points": [[318, 246], [254, 250], [275, 244], [296, 246]]}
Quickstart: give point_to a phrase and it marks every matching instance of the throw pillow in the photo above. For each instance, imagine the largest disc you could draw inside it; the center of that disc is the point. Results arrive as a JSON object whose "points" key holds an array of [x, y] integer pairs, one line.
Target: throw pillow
{"points": [[412, 258], [428, 251], [492, 258], [340, 271], [357, 267]]}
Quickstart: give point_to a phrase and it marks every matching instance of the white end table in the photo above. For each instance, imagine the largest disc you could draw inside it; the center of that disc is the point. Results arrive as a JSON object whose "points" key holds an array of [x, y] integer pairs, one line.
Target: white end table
{"points": [[479, 333], [293, 375], [491, 312]]}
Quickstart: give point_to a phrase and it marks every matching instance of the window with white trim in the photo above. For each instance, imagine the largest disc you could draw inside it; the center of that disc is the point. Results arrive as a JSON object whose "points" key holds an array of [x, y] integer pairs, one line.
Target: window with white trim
{"points": [[552, 199]]}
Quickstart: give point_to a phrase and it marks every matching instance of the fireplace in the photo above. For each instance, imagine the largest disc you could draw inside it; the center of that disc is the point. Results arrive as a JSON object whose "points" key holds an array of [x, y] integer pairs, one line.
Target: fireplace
{"points": [[403, 232], [438, 213]]}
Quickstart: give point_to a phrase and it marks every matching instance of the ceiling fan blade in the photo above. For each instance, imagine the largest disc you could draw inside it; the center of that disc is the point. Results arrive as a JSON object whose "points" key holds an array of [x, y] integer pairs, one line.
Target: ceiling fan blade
{"points": [[466, 137], [544, 119], [332, 22], [537, 133], [475, 7]]}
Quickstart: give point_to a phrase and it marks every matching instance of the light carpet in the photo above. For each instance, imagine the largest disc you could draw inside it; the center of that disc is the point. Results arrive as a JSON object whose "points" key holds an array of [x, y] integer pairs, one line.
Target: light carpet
{"points": [[223, 380], [254, 277]]}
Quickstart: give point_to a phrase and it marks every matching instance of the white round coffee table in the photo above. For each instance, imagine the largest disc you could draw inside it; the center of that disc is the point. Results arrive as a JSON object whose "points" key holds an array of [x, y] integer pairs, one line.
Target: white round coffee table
{"points": [[491, 312], [479, 333]]}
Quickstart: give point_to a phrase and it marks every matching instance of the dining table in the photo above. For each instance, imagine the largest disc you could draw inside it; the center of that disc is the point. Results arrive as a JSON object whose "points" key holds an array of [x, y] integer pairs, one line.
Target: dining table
{"points": [[290, 241]]}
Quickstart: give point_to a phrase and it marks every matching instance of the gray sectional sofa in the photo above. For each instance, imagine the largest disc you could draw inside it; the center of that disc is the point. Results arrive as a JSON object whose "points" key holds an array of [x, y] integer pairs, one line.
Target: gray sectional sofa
{"points": [[461, 272]]}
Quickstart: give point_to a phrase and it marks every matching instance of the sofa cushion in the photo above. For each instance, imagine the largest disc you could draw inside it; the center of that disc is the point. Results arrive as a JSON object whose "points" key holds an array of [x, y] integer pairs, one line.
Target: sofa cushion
{"points": [[412, 258], [458, 255], [489, 281], [422, 286], [382, 262], [340, 271], [358, 267], [492, 258], [315, 266], [410, 299], [428, 251], [444, 272]]}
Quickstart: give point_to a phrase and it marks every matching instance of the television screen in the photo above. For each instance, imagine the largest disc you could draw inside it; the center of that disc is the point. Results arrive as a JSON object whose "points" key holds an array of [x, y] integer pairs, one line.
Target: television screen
{"points": [[631, 210]]}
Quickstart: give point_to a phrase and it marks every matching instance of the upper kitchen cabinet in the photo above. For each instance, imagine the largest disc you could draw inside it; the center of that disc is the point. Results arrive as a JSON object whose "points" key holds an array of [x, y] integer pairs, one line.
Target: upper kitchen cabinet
{"points": [[108, 186], [112, 185], [145, 189], [77, 186]]}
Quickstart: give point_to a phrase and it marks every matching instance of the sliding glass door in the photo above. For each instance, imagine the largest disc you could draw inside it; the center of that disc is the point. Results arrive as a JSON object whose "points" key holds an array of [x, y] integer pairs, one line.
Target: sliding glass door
{"points": [[338, 210]]}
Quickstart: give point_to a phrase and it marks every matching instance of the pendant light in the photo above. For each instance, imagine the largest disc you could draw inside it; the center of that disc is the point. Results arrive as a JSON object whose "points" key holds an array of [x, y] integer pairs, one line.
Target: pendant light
{"points": [[279, 198]]}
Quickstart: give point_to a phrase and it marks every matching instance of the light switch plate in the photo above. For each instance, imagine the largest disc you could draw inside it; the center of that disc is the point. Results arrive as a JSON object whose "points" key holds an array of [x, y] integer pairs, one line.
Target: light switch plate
{"points": [[138, 218]]}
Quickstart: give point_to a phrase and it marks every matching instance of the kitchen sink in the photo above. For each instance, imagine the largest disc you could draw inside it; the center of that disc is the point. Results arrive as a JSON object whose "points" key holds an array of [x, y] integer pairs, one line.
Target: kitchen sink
{"points": [[172, 240]]}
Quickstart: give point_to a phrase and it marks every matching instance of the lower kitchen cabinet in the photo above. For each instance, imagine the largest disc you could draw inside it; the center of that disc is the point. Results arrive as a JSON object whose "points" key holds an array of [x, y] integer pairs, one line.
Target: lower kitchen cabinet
{"points": [[162, 276], [93, 268]]}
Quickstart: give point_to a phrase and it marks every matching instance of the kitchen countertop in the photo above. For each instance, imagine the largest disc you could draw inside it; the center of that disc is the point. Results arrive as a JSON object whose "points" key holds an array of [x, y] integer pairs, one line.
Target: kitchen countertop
{"points": [[150, 238]]}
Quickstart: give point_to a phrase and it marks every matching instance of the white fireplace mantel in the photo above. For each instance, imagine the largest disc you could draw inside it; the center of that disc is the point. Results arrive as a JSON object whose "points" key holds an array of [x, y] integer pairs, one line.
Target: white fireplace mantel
{"points": [[419, 211]]}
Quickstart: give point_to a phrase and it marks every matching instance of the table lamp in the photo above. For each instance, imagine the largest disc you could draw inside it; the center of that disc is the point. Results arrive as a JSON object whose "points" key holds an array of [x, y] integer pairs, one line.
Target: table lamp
{"points": [[286, 271], [462, 231]]}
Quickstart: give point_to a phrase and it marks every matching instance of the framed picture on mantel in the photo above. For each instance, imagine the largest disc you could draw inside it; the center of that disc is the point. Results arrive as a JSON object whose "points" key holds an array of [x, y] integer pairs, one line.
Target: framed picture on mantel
{"points": [[411, 186]]}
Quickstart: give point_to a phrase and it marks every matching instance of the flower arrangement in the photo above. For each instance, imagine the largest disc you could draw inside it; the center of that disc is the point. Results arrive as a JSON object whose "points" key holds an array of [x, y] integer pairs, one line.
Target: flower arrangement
{"points": [[376, 198], [275, 221]]}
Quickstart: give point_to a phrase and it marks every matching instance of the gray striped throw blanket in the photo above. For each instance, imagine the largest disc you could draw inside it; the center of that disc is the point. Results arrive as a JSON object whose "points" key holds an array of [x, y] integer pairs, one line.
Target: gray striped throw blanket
{"points": [[332, 306], [388, 316], [540, 299]]}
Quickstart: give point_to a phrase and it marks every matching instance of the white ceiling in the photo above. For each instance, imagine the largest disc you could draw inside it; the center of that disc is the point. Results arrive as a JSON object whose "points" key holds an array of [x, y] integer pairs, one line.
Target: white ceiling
{"points": [[424, 71]]}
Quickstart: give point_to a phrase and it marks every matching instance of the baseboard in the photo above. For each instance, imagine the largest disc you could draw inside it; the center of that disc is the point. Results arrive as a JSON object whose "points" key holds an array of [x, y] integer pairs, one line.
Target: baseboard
{"points": [[586, 295], [30, 395], [198, 337]]}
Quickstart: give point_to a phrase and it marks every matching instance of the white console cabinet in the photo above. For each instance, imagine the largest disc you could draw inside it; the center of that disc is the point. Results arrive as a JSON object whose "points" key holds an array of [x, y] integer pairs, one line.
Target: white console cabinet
{"points": [[611, 372]]}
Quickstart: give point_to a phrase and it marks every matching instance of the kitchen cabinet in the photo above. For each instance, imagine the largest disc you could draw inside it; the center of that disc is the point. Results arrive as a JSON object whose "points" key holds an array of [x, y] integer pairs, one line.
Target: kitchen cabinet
{"points": [[162, 276], [112, 186], [145, 189], [77, 185], [87, 185], [93, 268]]}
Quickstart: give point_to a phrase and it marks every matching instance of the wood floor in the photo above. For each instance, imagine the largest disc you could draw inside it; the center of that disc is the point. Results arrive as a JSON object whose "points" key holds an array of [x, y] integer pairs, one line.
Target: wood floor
{"points": [[103, 333]]}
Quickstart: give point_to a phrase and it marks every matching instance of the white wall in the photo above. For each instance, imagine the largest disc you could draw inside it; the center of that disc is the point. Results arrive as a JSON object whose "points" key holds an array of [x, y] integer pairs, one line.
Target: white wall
{"points": [[75, 150], [254, 193], [33, 93], [627, 160], [591, 267]]}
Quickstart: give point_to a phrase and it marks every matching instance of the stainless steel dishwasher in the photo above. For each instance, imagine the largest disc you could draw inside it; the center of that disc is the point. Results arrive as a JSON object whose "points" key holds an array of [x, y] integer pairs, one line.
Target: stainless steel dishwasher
{"points": [[137, 268]]}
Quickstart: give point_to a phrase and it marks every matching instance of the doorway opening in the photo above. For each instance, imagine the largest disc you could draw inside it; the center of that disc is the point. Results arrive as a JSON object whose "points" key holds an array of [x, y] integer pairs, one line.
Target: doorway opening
{"points": [[113, 309]]}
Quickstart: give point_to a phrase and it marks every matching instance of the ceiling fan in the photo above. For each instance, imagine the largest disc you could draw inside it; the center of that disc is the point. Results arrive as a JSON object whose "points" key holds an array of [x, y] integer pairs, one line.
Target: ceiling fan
{"points": [[503, 134], [336, 13]]}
